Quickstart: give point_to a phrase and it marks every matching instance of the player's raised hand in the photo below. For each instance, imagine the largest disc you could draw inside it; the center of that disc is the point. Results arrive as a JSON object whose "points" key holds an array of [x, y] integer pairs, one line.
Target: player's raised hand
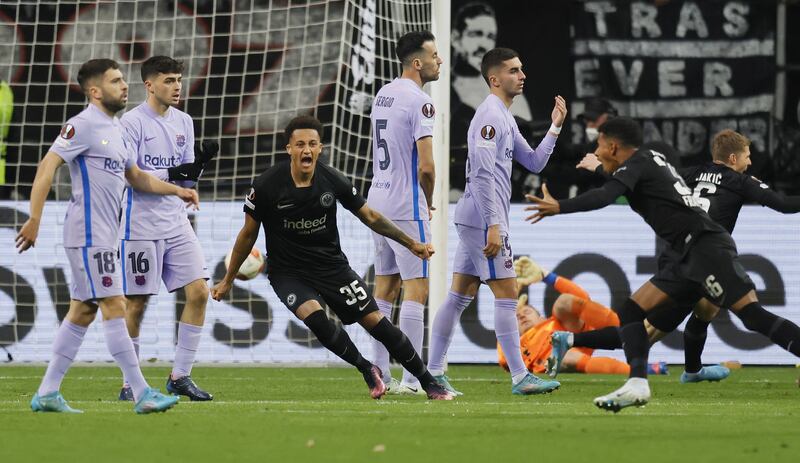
{"points": [[559, 111], [493, 241], [220, 290], [544, 206], [422, 250], [26, 238], [589, 162], [189, 196], [205, 151]]}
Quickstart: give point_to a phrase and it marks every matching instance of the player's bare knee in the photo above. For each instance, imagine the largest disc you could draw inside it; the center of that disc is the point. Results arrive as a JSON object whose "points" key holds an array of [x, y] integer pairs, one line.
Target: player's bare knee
{"points": [[387, 287], [745, 300], [416, 290], [81, 313], [505, 288], [705, 310], [113, 307], [370, 320], [307, 308], [197, 294]]}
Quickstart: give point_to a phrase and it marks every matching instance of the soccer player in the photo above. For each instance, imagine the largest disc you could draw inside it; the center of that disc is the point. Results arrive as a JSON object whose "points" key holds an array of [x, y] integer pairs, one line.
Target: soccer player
{"points": [[703, 260], [296, 203], [721, 187], [573, 311], [402, 191], [158, 242], [100, 160], [481, 217]]}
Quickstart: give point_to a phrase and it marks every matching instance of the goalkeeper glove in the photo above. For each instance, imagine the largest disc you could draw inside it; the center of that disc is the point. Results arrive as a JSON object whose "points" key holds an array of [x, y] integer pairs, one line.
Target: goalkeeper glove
{"points": [[528, 271]]}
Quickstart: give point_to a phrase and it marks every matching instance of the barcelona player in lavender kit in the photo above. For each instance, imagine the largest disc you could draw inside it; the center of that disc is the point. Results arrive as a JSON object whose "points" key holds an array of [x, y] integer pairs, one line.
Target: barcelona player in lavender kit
{"points": [[402, 190], [481, 217], [157, 240], [94, 146]]}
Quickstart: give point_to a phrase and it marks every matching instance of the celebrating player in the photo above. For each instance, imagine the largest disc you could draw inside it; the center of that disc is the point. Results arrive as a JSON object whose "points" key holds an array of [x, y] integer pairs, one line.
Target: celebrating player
{"points": [[721, 188], [296, 203], [158, 242], [100, 160], [481, 217], [572, 312], [703, 260], [402, 190]]}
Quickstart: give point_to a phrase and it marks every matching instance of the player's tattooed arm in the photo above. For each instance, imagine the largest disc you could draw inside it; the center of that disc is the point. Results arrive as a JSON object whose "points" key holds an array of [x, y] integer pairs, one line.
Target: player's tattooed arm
{"points": [[41, 187], [383, 226], [244, 244]]}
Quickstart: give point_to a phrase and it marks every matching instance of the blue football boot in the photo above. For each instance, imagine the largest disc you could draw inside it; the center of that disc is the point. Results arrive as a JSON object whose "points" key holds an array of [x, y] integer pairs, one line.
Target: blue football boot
{"points": [[52, 402]]}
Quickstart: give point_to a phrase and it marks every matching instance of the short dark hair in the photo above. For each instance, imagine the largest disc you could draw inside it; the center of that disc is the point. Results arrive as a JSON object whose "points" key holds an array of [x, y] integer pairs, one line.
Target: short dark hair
{"points": [[160, 65], [623, 129], [495, 57], [94, 68], [471, 10], [410, 44], [302, 122]]}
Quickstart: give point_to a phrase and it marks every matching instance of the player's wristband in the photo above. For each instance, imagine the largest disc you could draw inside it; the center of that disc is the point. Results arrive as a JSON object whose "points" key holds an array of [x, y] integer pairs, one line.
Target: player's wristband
{"points": [[550, 278], [554, 129]]}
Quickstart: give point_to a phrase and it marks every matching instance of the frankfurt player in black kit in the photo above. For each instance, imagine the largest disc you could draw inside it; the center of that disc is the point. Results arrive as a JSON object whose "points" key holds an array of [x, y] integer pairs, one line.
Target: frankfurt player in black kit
{"points": [[721, 188], [295, 201], [702, 262]]}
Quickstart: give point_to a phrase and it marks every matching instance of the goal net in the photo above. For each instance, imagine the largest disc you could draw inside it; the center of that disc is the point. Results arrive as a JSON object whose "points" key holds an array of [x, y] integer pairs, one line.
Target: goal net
{"points": [[250, 66]]}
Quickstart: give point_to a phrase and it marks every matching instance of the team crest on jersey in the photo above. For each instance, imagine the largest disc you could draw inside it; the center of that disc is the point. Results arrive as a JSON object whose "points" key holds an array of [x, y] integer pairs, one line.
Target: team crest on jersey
{"points": [[326, 199], [487, 132], [291, 299], [107, 281], [67, 132], [140, 280], [428, 110], [509, 264], [180, 140]]}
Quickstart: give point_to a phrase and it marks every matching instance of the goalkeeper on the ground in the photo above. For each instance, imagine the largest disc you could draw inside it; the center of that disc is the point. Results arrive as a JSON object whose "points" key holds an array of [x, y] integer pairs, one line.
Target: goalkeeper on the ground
{"points": [[573, 311]]}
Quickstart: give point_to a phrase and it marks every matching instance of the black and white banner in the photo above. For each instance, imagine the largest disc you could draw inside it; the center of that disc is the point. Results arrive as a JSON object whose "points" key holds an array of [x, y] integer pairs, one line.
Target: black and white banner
{"points": [[609, 252], [686, 69]]}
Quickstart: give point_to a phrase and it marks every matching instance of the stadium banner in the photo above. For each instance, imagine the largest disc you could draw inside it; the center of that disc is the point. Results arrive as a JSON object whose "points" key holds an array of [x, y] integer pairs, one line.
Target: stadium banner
{"points": [[609, 252], [686, 69]]}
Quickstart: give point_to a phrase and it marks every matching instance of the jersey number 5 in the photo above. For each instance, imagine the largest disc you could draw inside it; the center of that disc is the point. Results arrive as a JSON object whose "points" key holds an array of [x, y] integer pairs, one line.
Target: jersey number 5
{"points": [[380, 124], [354, 292]]}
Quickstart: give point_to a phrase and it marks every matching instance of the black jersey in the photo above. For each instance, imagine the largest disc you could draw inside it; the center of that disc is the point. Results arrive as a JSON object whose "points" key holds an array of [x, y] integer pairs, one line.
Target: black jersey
{"points": [[300, 223], [721, 191], [659, 194]]}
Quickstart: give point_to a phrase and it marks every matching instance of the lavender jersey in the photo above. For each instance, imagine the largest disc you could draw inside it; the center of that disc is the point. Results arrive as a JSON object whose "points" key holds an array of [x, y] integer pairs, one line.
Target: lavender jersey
{"points": [[401, 114], [494, 141], [93, 144], [160, 142]]}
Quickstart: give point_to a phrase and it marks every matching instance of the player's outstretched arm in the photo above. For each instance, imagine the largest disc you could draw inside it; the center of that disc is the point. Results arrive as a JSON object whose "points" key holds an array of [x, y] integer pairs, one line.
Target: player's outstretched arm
{"points": [[142, 181], [383, 226], [41, 187], [244, 244], [596, 198], [757, 191]]}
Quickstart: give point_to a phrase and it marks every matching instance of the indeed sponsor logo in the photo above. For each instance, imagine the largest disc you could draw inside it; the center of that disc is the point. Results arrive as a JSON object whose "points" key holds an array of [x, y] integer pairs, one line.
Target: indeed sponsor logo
{"points": [[304, 224], [113, 165], [161, 161]]}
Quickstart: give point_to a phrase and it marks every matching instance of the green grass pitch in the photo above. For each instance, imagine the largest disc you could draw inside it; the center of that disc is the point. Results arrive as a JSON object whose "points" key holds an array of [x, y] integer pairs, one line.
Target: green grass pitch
{"points": [[325, 415]]}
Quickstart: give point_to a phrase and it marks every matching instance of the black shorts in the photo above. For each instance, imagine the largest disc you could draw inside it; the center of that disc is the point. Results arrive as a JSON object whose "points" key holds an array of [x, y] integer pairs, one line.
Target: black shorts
{"points": [[710, 269], [344, 292]]}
